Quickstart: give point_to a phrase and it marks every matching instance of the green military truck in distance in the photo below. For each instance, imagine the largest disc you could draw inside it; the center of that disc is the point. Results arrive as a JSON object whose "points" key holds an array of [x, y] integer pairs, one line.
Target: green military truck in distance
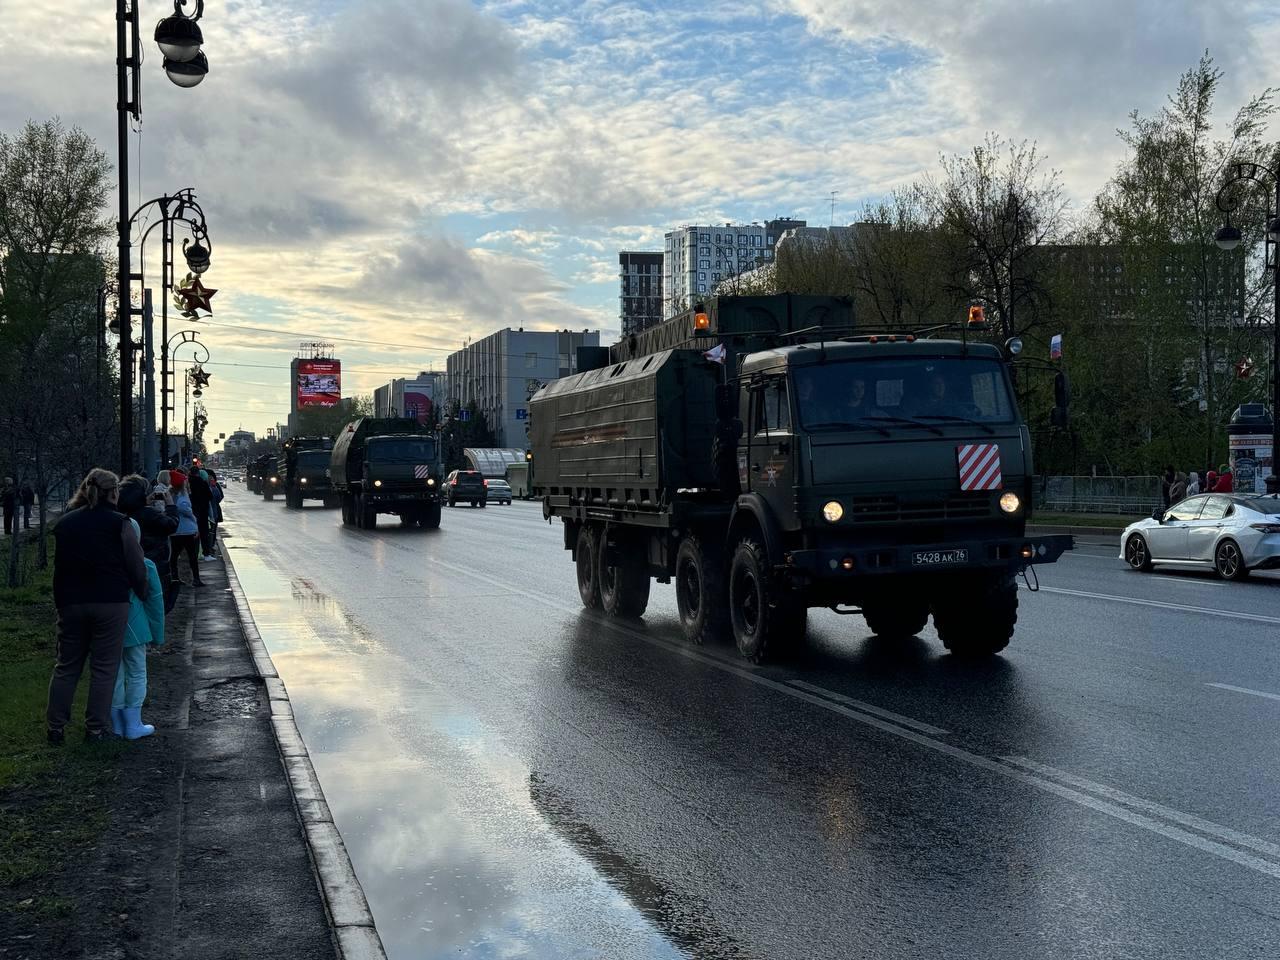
{"points": [[387, 465], [884, 475], [304, 471], [259, 471]]}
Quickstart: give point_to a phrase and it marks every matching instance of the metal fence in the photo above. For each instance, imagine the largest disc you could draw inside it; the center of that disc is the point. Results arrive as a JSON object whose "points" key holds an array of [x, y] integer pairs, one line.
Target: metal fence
{"points": [[1136, 495]]}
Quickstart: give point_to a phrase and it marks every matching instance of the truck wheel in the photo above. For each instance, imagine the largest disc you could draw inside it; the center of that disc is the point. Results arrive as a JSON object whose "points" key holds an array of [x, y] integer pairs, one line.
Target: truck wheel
{"points": [[896, 616], [368, 515], [766, 623], [430, 517], [624, 586], [348, 510], [268, 495], [978, 622], [700, 592], [588, 574]]}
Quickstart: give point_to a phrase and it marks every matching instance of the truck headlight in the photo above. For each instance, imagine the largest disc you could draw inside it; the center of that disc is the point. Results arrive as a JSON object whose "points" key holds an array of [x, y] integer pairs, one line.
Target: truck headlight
{"points": [[1010, 502], [832, 511], [275, 479], [431, 481], [303, 480], [377, 483]]}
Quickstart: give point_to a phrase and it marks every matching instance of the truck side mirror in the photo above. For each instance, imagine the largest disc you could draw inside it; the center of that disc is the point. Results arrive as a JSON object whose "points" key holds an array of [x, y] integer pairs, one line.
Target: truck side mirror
{"points": [[724, 402]]}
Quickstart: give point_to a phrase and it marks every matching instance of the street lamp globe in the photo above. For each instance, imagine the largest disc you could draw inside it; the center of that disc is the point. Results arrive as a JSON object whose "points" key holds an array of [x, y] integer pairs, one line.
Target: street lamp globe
{"points": [[179, 38], [187, 73], [1227, 237], [1273, 229], [197, 257]]}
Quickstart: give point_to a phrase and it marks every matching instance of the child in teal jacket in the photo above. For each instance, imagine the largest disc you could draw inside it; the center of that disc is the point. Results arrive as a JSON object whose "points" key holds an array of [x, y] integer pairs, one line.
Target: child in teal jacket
{"points": [[146, 626]]}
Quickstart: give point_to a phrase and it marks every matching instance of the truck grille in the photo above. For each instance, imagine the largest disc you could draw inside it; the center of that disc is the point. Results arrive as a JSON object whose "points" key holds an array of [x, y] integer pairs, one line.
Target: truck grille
{"points": [[891, 508]]}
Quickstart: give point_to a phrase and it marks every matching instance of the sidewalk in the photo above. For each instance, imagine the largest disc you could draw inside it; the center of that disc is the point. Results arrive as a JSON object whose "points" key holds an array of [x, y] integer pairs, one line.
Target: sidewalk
{"points": [[203, 854]]}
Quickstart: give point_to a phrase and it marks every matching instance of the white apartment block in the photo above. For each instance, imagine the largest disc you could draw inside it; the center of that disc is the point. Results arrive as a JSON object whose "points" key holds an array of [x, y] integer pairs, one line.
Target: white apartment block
{"points": [[697, 258]]}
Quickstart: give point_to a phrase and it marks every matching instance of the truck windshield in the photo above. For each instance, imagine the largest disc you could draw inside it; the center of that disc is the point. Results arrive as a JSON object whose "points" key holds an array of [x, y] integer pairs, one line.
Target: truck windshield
{"points": [[311, 459], [898, 391], [391, 450]]}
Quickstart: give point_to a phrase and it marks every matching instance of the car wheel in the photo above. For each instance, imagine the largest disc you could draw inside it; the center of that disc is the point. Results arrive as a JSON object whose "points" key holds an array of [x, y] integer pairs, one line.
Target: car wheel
{"points": [[1136, 553], [1228, 561]]}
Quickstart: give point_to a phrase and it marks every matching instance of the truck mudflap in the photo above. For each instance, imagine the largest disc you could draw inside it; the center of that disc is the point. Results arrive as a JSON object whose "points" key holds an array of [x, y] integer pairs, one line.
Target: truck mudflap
{"points": [[835, 563]]}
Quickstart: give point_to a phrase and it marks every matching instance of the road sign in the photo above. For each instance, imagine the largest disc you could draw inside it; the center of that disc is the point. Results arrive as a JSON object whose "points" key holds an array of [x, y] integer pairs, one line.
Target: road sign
{"points": [[464, 414], [522, 413]]}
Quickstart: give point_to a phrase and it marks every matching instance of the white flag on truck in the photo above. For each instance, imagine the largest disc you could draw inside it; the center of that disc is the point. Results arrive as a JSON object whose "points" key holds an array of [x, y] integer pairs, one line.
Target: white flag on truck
{"points": [[717, 354]]}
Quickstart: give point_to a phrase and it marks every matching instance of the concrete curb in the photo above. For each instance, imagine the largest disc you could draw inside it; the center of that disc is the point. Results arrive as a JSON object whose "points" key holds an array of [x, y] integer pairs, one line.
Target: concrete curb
{"points": [[1043, 529], [355, 935]]}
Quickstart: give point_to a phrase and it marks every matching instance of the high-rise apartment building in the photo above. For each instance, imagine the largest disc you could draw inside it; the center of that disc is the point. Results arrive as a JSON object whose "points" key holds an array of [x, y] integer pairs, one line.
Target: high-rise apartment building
{"points": [[640, 301], [414, 397], [696, 258], [503, 370]]}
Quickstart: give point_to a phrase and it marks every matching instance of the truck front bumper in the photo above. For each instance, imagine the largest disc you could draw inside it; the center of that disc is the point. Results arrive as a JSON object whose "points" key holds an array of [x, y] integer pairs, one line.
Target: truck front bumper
{"points": [[837, 563]]}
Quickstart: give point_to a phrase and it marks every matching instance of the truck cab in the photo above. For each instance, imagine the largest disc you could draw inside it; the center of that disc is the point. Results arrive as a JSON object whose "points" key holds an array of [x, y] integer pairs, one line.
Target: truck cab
{"points": [[387, 466], [306, 477]]}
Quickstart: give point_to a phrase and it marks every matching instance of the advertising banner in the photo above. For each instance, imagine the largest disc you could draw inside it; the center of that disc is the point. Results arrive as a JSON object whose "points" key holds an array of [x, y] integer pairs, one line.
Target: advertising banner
{"points": [[1252, 461], [319, 383], [417, 405]]}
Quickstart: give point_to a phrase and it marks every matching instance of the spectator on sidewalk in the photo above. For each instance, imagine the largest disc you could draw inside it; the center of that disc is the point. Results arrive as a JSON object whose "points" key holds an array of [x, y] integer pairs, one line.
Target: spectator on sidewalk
{"points": [[1166, 482], [8, 500], [1193, 484], [201, 499], [216, 515], [1224, 482], [157, 518], [28, 497], [97, 562], [186, 539], [145, 626], [1178, 489]]}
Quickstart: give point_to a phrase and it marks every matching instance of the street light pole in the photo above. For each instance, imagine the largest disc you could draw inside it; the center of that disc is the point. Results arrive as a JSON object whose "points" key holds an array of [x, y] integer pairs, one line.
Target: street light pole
{"points": [[1228, 237]]}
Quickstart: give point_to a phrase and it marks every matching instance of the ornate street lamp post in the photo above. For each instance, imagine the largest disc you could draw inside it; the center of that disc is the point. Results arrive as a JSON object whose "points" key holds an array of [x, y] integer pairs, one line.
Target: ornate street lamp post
{"points": [[200, 355], [1228, 237], [179, 39]]}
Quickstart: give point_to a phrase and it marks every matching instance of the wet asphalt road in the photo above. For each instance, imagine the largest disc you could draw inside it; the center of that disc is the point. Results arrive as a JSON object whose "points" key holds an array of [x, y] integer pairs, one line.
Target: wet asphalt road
{"points": [[515, 777]]}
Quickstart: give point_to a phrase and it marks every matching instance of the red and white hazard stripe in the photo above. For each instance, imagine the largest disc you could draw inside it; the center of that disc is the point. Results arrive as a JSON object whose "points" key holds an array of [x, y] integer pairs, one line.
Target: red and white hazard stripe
{"points": [[979, 466]]}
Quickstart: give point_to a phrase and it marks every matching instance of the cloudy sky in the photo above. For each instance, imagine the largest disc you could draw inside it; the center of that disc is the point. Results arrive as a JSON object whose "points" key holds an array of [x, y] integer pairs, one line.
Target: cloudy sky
{"points": [[395, 176]]}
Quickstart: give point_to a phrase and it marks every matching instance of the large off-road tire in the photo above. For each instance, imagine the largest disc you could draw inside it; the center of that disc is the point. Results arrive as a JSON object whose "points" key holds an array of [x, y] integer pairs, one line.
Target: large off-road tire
{"points": [[624, 584], [701, 591], [896, 615], [347, 503], [587, 563], [767, 622], [430, 516], [268, 494], [977, 620], [1137, 554], [1228, 561], [368, 515]]}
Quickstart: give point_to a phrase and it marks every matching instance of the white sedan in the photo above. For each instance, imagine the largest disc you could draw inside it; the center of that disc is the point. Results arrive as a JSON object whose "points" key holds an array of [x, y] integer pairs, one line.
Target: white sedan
{"points": [[1230, 533]]}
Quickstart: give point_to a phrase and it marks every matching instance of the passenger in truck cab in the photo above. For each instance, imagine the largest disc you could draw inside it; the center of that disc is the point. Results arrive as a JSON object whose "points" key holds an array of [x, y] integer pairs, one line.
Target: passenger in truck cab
{"points": [[858, 405]]}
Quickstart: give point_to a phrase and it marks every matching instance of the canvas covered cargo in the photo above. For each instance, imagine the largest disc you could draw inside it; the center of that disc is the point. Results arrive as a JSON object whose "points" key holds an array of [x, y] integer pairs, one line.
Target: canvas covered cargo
{"points": [[631, 433]]}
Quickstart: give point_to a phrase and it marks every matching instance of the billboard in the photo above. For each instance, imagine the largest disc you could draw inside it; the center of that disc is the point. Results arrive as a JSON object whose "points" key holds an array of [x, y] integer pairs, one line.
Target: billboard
{"points": [[418, 403], [319, 383]]}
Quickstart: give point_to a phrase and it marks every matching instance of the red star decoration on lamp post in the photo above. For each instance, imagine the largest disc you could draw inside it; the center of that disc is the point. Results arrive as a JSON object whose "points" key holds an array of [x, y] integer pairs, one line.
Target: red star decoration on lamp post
{"points": [[197, 296]]}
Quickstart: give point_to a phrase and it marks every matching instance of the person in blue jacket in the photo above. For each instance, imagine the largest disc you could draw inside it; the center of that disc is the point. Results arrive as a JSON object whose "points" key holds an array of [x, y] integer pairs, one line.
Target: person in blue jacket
{"points": [[146, 626], [187, 539]]}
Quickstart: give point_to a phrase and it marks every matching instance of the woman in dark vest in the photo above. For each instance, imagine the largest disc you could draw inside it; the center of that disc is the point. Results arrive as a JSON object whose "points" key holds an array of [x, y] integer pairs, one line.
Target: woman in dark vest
{"points": [[97, 560]]}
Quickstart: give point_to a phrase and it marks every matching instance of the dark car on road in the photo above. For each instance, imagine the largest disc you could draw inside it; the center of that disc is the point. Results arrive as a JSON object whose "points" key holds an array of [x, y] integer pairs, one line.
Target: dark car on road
{"points": [[466, 486], [498, 491]]}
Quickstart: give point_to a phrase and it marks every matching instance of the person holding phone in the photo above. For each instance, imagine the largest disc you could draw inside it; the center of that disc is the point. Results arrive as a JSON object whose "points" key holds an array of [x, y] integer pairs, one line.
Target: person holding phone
{"points": [[157, 518]]}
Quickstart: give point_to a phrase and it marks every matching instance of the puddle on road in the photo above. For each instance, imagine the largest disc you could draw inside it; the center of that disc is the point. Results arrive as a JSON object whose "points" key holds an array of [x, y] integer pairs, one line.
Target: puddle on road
{"points": [[450, 834]]}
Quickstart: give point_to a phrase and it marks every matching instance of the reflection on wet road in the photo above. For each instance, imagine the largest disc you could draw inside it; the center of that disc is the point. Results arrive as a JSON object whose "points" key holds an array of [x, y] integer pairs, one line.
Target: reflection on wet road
{"points": [[516, 777]]}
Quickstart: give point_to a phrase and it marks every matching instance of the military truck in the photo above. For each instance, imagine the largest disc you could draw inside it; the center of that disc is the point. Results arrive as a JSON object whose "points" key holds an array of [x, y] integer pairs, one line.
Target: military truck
{"points": [[259, 469], [387, 465], [768, 459], [304, 471]]}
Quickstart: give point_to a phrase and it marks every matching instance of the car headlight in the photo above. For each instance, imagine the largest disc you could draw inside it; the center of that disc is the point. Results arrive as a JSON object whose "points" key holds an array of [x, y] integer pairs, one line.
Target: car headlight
{"points": [[832, 511], [377, 483], [431, 481], [1010, 502], [303, 480]]}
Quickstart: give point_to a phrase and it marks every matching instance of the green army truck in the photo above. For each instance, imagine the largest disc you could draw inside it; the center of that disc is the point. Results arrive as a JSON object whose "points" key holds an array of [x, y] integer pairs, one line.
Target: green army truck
{"points": [[259, 471], [304, 471], [387, 465], [768, 460]]}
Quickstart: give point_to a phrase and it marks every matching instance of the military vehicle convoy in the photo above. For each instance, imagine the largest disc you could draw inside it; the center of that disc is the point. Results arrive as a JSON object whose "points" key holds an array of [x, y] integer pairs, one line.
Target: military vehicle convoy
{"points": [[303, 471], [387, 466], [259, 472], [768, 460]]}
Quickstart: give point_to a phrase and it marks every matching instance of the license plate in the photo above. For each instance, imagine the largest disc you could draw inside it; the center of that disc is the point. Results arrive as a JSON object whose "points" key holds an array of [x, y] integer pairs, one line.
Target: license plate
{"points": [[931, 558]]}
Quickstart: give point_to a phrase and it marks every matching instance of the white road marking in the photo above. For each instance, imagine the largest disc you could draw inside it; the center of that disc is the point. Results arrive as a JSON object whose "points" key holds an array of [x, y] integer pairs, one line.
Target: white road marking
{"points": [[1196, 581], [1004, 767], [1148, 806], [870, 708], [1252, 693], [1183, 607]]}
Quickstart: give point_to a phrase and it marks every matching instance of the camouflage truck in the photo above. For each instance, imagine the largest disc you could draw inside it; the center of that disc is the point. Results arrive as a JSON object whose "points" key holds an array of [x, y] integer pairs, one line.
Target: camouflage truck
{"points": [[767, 459], [387, 465]]}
